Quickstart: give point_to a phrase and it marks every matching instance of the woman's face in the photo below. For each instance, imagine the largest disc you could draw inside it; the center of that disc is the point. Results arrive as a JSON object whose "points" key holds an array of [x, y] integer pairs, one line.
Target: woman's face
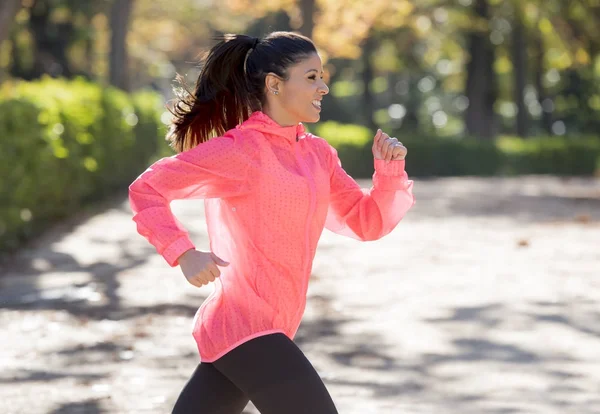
{"points": [[299, 98]]}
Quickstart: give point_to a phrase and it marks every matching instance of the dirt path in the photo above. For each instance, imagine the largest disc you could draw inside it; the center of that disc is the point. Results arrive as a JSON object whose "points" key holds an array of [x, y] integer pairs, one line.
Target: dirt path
{"points": [[486, 299]]}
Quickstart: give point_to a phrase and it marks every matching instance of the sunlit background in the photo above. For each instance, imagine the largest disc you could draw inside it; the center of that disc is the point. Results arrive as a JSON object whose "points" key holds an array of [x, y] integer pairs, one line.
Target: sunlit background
{"points": [[484, 300]]}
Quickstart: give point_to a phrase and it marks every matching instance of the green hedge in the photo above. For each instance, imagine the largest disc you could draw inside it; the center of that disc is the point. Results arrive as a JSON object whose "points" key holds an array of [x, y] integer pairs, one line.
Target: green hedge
{"points": [[434, 156], [550, 155], [65, 144]]}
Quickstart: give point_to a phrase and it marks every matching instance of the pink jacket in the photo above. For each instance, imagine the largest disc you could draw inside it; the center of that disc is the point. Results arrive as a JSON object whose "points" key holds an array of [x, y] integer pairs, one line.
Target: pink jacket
{"points": [[269, 191]]}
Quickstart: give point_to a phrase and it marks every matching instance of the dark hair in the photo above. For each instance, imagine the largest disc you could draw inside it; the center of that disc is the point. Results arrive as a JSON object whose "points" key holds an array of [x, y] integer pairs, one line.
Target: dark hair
{"points": [[231, 84]]}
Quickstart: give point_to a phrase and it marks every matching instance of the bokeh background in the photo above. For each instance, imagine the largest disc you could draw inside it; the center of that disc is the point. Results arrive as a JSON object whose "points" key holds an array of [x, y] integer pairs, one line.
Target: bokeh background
{"points": [[484, 300], [474, 87]]}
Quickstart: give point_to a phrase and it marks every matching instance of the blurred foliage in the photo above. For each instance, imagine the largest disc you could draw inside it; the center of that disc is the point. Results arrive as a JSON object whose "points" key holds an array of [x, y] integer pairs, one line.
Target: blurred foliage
{"points": [[65, 144], [418, 62], [434, 156]]}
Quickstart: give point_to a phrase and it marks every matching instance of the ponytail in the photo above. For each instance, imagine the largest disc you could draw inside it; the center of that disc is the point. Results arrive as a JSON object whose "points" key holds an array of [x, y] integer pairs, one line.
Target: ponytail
{"points": [[221, 99], [231, 85]]}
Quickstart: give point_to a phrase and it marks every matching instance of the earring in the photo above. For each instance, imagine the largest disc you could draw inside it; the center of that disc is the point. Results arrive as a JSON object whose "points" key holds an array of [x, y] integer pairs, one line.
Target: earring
{"points": [[275, 92]]}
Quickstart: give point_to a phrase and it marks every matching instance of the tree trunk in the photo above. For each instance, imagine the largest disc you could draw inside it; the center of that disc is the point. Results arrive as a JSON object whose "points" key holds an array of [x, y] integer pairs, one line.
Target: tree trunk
{"points": [[481, 88], [8, 11], [519, 57], [307, 8], [90, 57], [16, 69], [539, 83], [51, 41], [367, 77], [411, 119], [120, 14]]}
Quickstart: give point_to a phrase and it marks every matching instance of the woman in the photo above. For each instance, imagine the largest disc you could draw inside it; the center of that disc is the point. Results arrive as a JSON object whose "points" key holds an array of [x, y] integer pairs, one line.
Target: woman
{"points": [[269, 189]]}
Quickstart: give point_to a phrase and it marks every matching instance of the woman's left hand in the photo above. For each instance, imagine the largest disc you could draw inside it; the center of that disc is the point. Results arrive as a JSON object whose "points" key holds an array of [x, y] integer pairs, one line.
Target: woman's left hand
{"points": [[386, 148]]}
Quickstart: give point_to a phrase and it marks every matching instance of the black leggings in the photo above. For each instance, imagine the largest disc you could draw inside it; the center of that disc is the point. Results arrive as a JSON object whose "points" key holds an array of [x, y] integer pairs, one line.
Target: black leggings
{"points": [[270, 370]]}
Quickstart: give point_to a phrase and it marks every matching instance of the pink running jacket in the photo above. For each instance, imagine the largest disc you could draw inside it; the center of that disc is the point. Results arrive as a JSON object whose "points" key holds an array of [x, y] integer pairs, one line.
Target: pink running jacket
{"points": [[269, 191]]}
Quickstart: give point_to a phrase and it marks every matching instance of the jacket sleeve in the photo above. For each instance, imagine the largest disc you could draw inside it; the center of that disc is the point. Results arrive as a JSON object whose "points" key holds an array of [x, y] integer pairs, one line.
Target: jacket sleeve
{"points": [[218, 168], [368, 214]]}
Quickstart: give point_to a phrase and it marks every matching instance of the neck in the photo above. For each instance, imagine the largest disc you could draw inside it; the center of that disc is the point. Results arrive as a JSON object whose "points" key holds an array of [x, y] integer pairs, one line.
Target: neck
{"points": [[280, 116]]}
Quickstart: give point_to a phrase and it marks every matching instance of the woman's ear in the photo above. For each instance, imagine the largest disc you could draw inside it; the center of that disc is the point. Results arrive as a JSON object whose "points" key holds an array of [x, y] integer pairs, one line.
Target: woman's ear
{"points": [[273, 83]]}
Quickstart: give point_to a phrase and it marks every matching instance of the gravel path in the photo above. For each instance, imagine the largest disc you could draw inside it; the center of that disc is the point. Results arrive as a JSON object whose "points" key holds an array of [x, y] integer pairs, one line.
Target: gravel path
{"points": [[485, 299]]}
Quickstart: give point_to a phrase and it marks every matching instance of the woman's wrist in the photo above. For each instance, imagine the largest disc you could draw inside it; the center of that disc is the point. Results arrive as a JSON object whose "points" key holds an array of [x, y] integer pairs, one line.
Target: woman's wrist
{"points": [[182, 256], [392, 168]]}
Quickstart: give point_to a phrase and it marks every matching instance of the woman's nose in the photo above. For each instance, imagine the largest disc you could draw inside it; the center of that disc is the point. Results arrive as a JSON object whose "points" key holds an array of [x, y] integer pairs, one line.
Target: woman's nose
{"points": [[324, 90]]}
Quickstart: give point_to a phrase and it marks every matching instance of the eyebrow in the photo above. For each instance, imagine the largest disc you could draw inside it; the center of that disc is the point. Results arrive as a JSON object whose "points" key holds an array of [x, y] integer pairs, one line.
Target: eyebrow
{"points": [[311, 70]]}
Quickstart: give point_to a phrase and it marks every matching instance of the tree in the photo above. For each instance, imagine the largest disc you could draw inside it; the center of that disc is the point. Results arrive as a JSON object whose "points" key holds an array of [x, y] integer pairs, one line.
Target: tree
{"points": [[539, 68], [56, 31], [564, 38], [481, 79], [8, 11], [519, 58], [307, 10], [368, 48], [51, 39], [120, 14]]}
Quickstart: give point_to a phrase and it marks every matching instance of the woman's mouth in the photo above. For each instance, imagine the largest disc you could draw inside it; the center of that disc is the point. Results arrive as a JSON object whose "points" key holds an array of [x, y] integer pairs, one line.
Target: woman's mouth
{"points": [[317, 104]]}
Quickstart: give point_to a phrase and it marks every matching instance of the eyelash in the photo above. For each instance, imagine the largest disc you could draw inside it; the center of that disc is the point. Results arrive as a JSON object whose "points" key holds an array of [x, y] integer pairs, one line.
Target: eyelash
{"points": [[314, 77]]}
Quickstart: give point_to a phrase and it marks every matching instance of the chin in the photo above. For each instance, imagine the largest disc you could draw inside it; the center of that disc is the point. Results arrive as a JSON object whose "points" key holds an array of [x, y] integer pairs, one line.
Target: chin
{"points": [[312, 118]]}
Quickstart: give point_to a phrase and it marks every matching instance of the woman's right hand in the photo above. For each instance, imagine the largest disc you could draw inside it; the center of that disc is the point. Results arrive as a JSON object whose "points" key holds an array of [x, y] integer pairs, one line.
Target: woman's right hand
{"points": [[200, 268]]}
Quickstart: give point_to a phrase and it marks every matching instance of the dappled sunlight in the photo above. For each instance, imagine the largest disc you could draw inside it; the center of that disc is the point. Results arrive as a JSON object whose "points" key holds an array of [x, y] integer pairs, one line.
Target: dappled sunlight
{"points": [[451, 312]]}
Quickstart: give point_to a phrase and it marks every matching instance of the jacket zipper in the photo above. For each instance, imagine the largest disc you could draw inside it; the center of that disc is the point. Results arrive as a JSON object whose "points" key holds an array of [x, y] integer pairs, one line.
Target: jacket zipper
{"points": [[312, 205]]}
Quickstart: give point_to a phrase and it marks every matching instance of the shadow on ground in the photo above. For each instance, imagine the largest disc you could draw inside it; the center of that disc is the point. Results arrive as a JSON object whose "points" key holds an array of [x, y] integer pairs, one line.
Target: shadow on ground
{"points": [[387, 373]]}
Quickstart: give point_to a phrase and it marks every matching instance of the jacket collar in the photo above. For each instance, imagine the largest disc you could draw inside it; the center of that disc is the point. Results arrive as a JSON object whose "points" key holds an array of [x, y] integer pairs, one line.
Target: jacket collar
{"points": [[261, 122]]}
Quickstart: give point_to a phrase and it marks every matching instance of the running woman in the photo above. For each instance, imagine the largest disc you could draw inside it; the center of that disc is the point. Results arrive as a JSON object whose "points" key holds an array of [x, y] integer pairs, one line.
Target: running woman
{"points": [[269, 188]]}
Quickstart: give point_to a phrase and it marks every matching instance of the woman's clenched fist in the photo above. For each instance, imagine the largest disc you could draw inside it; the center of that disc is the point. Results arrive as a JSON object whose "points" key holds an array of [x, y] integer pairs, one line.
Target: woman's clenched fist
{"points": [[200, 268], [386, 148]]}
